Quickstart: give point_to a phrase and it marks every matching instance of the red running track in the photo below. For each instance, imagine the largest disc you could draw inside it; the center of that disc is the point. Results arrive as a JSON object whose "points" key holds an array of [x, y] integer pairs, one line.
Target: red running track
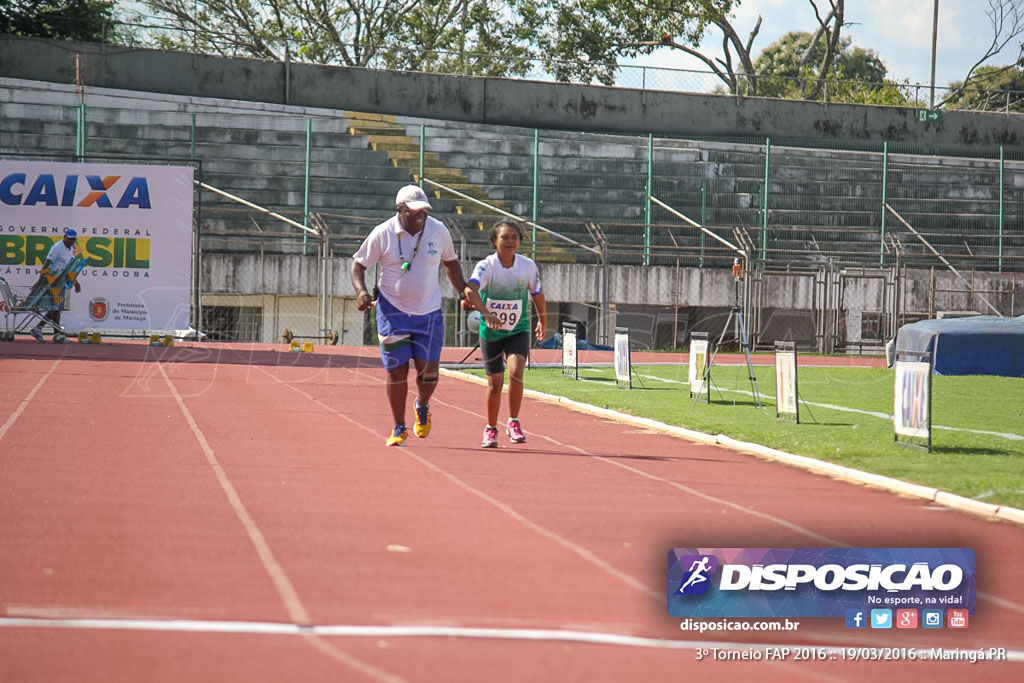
{"points": [[229, 512]]}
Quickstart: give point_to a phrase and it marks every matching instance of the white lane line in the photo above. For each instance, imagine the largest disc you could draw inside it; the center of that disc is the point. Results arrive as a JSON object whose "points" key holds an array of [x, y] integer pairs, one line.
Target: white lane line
{"points": [[477, 380], [579, 550], [547, 533], [296, 610], [359, 631], [25, 401], [681, 487], [318, 641], [882, 416], [284, 586], [712, 499]]}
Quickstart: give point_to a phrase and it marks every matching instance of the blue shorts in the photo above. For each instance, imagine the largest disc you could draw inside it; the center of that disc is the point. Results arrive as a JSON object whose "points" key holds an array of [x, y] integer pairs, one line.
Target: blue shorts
{"points": [[404, 337]]}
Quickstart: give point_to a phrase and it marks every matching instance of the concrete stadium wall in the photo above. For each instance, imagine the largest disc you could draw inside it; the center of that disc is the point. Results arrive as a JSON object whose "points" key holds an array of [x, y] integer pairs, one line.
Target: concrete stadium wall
{"points": [[524, 103], [634, 293], [627, 285]]}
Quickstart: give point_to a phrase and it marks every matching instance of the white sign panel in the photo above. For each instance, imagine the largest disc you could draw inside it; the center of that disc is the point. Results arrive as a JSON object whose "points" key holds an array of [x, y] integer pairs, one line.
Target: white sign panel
{"points": [[912, 403], [134, 226], [623, 375], [698, 361], [785, 382], [570, 359]]}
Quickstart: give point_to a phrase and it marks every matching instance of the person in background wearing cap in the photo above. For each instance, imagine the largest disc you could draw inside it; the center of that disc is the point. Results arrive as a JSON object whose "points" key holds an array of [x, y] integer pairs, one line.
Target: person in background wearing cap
{"points": [[60, 255], [409, 247]]}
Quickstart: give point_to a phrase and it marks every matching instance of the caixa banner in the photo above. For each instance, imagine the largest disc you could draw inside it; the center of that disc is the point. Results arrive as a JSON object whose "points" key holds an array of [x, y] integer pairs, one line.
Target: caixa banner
{"points": [[134, 230], [817, 582]]}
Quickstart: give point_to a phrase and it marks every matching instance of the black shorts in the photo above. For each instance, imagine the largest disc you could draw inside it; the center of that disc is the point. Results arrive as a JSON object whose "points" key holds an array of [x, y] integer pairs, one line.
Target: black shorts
{"points": [[495, 352]]}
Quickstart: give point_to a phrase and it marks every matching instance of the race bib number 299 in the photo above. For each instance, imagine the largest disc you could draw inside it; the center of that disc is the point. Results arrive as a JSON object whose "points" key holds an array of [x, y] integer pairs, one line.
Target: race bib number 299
{"points": [[509, 311]]}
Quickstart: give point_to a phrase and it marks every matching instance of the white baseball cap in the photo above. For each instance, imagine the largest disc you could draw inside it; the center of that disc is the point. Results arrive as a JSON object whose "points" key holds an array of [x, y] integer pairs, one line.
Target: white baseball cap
{"points": [[413, 197]]}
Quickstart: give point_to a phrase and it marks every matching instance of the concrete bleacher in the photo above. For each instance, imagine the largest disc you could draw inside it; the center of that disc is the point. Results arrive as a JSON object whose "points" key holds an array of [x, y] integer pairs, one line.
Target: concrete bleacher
{"points": [[822, 204]]}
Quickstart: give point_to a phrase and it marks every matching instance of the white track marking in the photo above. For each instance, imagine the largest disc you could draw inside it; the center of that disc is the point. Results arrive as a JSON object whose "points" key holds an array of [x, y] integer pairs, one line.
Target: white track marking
{"points": [[25, 401], [358, 631], [694, 492], [579, 550], [825, 539], [739, 508], [681, 487], [547, 533], [317, 641], [296, 610]]}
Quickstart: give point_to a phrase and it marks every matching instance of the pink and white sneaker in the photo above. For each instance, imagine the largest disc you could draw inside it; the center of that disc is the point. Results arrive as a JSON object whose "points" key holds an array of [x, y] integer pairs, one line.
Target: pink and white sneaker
{"points": [[490, 438], [515, 432]]}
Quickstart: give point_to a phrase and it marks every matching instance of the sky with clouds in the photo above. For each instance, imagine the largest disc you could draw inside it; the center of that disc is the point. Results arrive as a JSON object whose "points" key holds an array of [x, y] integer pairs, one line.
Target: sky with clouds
{"points": [[900, 31]]}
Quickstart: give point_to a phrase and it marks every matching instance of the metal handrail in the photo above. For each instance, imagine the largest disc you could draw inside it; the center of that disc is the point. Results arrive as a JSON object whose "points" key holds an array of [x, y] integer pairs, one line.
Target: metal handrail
{"points": [[522, 220]]}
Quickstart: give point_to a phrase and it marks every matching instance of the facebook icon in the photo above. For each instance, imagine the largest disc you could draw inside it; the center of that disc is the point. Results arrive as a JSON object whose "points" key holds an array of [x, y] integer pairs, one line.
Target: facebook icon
{"points": [[856, 618]]}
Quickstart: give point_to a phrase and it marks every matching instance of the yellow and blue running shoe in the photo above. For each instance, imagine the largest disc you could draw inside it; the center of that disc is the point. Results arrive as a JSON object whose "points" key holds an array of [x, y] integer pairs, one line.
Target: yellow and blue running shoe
{"points": [[422, 426], [398, 437]]}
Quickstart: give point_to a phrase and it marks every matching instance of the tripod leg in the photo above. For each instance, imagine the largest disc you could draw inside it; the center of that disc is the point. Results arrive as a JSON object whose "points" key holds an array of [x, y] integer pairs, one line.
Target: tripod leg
{"points": [[469, 354], [714, 355], [750, 362]]}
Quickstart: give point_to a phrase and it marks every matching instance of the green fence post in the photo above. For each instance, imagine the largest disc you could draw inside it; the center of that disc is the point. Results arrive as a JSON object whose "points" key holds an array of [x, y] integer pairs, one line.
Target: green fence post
{"points": [[885, 198], [192, 138], [767, 191], [305, 190], [536, 189], [1002, 190], [423, 145], [703, 216], [647, 206]]}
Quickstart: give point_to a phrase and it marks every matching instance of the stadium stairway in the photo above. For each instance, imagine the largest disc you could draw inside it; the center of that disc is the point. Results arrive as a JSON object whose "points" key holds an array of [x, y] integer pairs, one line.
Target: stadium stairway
{"points": [[385, 134]]}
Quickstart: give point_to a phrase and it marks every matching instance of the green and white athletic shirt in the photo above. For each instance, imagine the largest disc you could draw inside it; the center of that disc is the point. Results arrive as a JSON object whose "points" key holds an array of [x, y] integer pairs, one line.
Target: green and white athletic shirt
{"points": [[506, 292]]}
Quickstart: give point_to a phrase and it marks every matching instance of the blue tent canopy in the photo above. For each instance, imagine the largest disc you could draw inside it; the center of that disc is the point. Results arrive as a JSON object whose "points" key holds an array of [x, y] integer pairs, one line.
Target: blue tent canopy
{"points": [[980, 345]]}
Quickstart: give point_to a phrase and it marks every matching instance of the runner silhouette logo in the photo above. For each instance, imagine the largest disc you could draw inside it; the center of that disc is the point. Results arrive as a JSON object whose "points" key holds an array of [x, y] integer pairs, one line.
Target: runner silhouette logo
{"points": [[697, 580]]}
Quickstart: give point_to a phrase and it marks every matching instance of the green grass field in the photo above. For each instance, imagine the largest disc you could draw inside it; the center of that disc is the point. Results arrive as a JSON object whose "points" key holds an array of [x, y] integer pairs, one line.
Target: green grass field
{"points": [[845, 419]]}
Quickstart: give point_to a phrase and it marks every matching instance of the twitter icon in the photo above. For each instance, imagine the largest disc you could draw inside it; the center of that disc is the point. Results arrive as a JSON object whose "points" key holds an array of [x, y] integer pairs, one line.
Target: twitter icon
{"points": [[881, 618]]}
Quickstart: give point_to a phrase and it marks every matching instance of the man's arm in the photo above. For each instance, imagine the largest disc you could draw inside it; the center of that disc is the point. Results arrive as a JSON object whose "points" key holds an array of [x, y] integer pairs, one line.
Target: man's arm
{"points": [[454, 270], [357, 273], [542, 315]]}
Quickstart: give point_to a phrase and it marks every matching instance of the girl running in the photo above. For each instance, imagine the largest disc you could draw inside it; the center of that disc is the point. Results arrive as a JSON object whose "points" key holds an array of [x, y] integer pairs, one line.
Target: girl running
{"points": [[503, 282]]}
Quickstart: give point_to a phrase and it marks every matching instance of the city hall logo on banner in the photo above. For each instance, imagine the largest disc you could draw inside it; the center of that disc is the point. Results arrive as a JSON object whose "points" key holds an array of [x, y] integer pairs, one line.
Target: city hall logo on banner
{"points": [[48, 189], [98, 309], [818, 582]]}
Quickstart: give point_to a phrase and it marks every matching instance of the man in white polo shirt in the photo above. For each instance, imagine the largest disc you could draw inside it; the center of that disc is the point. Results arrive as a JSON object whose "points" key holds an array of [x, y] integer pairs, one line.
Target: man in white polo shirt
{"points": [[57, 258], [410, 326]]}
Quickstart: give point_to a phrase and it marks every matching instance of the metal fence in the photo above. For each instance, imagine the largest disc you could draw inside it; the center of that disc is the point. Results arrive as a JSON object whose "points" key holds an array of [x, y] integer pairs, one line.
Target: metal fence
{"points": [[291, 193]]}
